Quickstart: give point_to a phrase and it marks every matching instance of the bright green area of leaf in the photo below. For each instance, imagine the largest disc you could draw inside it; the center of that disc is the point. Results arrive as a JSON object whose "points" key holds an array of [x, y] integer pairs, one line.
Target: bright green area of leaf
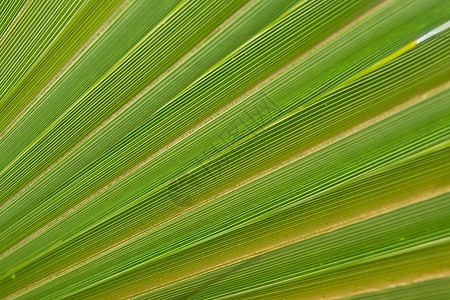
{"points": [[30, 36], [9, 11], [139, 67], [71, 40], [222, 149]]}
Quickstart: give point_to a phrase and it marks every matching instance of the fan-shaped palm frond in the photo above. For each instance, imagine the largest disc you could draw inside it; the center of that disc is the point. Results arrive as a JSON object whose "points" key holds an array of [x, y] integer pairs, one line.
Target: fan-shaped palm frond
{"points": [[239, 149]]}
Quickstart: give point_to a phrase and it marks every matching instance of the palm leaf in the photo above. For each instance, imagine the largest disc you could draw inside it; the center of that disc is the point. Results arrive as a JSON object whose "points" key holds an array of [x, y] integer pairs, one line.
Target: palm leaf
{"points": [[224, 149]]}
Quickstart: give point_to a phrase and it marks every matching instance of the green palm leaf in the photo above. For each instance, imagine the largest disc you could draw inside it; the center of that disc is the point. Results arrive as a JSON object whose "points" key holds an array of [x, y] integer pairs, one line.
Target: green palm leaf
{"points": [[241, 149]]}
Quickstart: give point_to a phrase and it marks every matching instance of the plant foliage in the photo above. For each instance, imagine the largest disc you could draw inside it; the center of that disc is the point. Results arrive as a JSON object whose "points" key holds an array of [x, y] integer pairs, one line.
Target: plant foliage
{"points": [[232, 149]]}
